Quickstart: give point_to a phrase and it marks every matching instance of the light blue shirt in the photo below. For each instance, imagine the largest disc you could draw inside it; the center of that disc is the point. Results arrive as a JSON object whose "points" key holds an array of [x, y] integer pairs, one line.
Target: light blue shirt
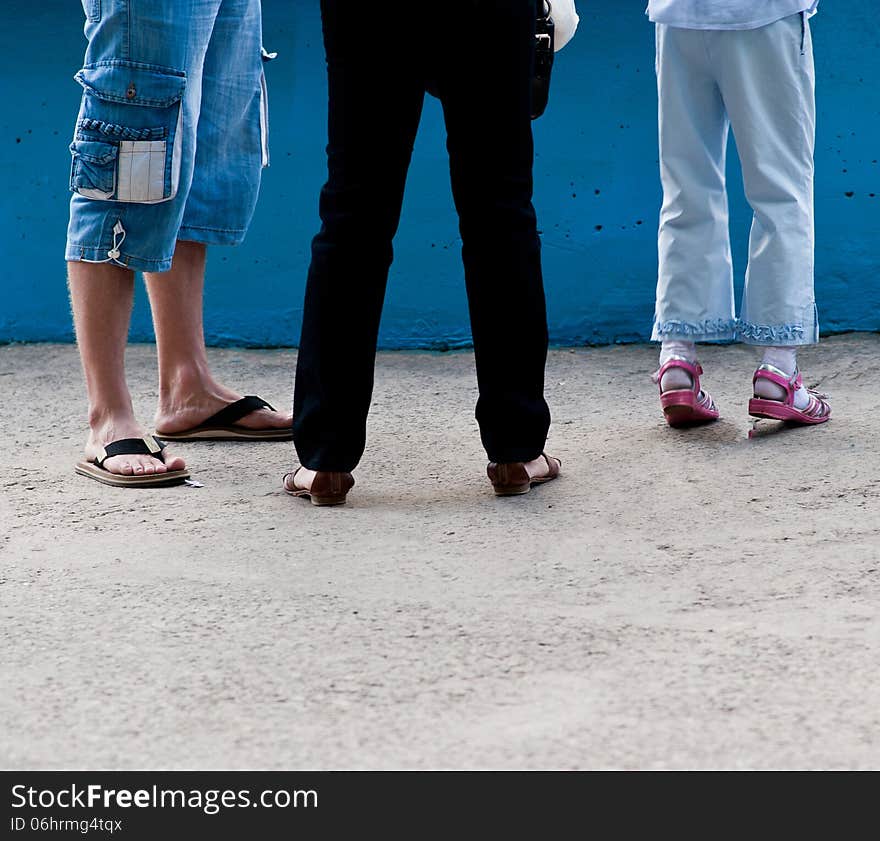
{"points": [[725, 14]]}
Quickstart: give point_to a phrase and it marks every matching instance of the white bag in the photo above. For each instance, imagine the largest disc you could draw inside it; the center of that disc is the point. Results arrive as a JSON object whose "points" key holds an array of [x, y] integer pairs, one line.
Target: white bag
{"points": [[565, 18]]}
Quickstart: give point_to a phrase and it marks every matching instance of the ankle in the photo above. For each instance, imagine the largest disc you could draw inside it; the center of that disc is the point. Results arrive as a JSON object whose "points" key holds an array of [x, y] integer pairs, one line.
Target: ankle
{"points": [[180, 384], [676, 379], [671, 348], [105, 417], [782, 358]]}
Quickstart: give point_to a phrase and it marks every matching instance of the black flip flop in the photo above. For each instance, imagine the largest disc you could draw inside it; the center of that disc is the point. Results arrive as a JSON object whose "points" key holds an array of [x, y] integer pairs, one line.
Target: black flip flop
{"points": [[222, 426], [148, 446]]}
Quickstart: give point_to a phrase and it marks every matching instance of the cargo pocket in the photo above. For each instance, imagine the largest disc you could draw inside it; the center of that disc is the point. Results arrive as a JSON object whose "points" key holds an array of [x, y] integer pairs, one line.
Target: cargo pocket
{"points": [[93, 171], [129, 132]]}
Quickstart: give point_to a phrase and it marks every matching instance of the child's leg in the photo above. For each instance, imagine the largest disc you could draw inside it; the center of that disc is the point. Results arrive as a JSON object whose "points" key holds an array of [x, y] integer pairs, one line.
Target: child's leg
{"points": [[695, 280], [768, 82], [767, 79], [783, 359], [674, 377]]}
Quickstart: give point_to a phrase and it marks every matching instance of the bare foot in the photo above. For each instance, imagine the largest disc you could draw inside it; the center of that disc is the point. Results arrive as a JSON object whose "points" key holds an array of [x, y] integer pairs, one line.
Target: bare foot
{"points": [[193, 403], [111, 429]]}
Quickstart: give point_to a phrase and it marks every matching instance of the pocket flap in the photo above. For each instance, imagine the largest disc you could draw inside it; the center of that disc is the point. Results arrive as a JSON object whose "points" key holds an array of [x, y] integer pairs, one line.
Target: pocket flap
{"points": [[132, 83], [94, 151]]}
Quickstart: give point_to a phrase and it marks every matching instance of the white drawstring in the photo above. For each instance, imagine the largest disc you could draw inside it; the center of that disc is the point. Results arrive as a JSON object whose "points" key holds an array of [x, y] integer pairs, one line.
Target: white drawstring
{"points": [[118, 230]]}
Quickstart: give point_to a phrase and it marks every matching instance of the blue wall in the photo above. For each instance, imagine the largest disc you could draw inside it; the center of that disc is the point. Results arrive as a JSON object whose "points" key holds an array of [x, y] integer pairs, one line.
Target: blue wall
{"points": [[596, 180]]}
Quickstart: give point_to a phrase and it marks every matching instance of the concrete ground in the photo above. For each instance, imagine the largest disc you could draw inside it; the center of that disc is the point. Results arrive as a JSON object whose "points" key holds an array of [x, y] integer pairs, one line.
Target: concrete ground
{"points": [[677, 600]]}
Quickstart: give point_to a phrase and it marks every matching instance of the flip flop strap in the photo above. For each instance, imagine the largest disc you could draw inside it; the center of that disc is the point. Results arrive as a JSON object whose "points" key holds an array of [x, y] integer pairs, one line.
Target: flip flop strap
{"points": [[228, 415], [148, 446]]}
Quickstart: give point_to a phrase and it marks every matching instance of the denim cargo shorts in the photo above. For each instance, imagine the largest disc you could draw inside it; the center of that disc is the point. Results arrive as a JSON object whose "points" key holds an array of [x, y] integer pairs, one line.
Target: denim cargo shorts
{"points": [[172, 131]]}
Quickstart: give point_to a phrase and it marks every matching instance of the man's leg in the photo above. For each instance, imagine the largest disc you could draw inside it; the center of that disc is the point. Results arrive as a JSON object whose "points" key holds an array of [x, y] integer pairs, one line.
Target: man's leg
{"points": [[376, 94], [219, 208], [188, 392], [101, 297], [133, 151], [486, 102]]}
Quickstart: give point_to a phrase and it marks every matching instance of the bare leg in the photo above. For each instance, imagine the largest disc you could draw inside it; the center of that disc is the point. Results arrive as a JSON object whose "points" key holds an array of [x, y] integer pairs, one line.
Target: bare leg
{"points": [[101, 296], [188, 392]]}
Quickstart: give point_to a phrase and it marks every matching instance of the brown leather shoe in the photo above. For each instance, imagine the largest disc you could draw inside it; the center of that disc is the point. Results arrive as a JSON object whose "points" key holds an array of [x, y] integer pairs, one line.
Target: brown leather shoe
{"points": [[329, 487], [512, 479]]}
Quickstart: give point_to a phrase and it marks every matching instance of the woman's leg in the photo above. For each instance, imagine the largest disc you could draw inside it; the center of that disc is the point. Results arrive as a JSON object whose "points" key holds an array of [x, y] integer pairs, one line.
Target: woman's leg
{"points": [[487, 104], [376, 89]]}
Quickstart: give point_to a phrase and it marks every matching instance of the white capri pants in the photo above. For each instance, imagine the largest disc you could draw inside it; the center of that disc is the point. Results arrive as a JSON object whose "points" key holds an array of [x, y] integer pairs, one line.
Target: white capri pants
{"points": [[762, 83]]}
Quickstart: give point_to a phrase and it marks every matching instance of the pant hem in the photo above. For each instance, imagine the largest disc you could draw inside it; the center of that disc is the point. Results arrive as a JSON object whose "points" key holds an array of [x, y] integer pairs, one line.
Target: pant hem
{"points": [[782, 335], [90, 254], [212, 236], [510, 456], [710, 330]]}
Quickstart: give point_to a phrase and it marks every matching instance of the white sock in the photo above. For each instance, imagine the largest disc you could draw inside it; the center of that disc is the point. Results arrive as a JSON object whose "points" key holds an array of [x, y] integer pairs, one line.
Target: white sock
{"points": [[785, 359], [676, 378]]}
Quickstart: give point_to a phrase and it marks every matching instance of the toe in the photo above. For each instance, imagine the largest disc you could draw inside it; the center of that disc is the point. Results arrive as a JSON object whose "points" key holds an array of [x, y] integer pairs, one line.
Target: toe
{"points": [[120, 465], [171, 463]]}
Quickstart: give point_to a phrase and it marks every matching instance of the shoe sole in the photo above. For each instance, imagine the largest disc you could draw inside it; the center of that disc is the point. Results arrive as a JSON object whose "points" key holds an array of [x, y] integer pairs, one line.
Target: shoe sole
{"points": [[680, 408], [771, 410], [682, 416], [228, 435], [320, 501], [105, 477]]}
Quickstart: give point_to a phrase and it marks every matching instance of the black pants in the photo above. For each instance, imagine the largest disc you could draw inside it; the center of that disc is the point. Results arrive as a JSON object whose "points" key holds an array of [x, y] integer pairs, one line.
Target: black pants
{"points": [[478, 57]]}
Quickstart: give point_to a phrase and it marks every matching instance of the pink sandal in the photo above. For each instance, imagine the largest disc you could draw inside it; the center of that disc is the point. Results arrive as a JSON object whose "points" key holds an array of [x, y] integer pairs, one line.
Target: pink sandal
{"points": [[686, 406], [818, 411]]}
